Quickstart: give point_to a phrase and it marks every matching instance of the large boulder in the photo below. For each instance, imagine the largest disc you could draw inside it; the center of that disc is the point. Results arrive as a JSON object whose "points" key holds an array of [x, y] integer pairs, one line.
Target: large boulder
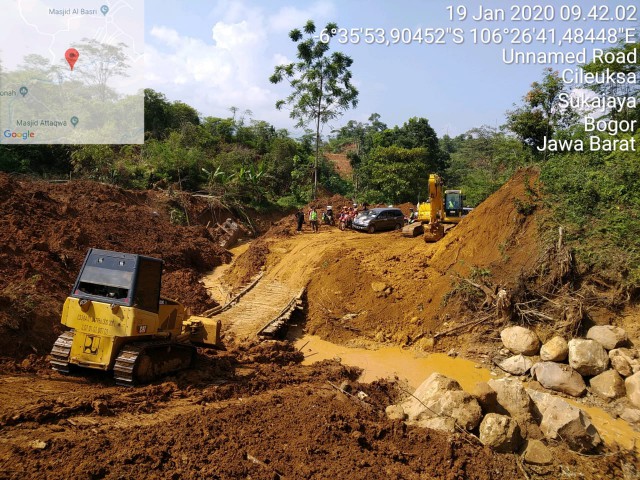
{"points": [[631, 415], [555, 350], [516, 365], [520, 340], [562, 421], [587, 357], [434, 386], [625, 361], [513, 398], [608, 385], [632, 385], [559, 377], [500, 432], [459, 405], [608, 336], [487, 398], [442, 396], [441, 424]]}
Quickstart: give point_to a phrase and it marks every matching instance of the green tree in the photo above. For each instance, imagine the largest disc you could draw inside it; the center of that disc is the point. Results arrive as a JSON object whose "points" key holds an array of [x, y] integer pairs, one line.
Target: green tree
{"points": [[396, 174], [483, 160], [540, 114], [321, 83], [103, 61], [627, 92]]}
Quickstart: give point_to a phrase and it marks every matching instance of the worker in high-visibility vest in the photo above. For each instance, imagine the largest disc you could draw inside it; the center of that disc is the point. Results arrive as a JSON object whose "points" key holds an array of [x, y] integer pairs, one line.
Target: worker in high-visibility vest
{"points": [[313, 219]]}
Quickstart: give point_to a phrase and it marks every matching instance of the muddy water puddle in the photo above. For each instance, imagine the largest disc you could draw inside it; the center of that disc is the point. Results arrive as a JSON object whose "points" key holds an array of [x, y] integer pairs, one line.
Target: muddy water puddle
{"points": [[390, 362]]}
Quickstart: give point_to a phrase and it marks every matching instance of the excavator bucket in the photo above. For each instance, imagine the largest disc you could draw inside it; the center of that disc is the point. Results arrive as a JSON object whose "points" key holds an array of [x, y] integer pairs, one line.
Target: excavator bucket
{"points": [[434, 232]]}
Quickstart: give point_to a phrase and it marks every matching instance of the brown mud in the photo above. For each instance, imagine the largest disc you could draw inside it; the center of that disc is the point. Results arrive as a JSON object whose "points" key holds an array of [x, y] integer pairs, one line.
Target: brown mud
{"points": [[254, 410]]}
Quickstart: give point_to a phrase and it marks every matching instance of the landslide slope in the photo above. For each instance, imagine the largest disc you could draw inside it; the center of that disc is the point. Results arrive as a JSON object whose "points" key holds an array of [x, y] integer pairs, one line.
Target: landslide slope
{"points": [[45, 231]]}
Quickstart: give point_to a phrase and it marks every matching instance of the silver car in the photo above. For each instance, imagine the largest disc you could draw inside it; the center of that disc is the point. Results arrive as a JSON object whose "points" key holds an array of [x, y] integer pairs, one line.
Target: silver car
{"points": [[378, 219]]}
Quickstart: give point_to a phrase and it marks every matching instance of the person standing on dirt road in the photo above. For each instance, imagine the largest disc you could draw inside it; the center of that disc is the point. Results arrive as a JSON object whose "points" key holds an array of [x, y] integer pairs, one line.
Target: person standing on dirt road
{"points": [[313, 219], [299, 220]]}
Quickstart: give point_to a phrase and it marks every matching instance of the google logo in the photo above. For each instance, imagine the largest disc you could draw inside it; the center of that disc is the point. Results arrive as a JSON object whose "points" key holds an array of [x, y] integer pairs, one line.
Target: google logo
{"points": [[24, 135]]}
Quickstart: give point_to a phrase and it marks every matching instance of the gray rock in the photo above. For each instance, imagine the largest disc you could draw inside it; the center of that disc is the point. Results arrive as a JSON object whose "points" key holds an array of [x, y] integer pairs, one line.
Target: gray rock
{"points": [[631, 415], [442, 396], [562, 421], [442, 424], [632, 385], [500, 432], [434, 386], [395, 412], [459, 405], [520, 340], [487, 398], [559, 377], [513, 398], [608, 385], [625, 361], [537, 453], [516, 365], [587, 357], [608, 336], [555, 350]]}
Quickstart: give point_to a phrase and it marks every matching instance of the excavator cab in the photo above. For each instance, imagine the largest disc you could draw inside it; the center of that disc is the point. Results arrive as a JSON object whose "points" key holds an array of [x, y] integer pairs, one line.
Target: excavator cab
{"points": [[453, 206]]}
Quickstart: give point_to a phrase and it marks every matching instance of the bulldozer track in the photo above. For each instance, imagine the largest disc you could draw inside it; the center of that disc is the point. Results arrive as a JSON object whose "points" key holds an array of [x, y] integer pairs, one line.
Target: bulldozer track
{"points": [[61, 351], [164, 357]]}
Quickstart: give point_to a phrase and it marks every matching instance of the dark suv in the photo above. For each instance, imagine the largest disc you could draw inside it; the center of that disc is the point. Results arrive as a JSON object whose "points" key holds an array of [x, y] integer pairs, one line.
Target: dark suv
{"points": [[378, 219]]}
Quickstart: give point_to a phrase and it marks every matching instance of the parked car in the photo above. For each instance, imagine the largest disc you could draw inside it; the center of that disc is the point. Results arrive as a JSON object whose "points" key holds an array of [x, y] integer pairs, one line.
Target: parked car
{"points": [[378, 219]]}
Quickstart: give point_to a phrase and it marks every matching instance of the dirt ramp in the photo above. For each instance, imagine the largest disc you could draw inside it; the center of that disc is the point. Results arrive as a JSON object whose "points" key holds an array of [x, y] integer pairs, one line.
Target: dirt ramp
{"points": [[45, 231]]}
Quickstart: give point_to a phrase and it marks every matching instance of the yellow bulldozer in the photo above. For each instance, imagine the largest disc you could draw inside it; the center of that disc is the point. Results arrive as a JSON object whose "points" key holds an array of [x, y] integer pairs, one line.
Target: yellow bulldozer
{"points": [[442, 207], [120, 322]]}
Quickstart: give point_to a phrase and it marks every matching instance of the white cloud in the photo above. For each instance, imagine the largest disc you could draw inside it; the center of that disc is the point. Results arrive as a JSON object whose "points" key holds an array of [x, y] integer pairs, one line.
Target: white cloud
{"points": [[232, 67], [166, 36]]}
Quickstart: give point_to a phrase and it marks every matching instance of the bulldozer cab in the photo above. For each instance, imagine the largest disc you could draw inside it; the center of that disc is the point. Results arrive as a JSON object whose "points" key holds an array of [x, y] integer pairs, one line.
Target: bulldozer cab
{"points": [[123, 279]]}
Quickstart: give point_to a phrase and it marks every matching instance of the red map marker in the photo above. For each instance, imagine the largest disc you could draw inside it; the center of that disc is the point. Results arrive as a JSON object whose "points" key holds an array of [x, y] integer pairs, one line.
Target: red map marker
{"points": [[72, 57]]}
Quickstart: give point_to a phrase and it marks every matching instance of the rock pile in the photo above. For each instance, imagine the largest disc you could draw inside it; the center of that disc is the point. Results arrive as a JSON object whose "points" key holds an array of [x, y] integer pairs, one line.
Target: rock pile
{"points": [[502, 412], [612, 371], [507, 416]]}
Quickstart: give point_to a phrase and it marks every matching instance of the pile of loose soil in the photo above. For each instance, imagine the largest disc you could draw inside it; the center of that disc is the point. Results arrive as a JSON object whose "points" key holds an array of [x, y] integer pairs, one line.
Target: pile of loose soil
{"points": [[46, 230], [395, 289]]}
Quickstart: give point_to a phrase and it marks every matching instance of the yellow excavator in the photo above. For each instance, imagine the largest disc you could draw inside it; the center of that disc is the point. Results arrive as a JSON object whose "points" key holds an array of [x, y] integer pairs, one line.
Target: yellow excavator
{"points": [[443, 207], [119, 321]]}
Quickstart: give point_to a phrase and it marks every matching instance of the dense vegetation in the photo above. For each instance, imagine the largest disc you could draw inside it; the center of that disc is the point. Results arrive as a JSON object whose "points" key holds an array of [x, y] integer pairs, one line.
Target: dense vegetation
{"points": [[595, 195]]}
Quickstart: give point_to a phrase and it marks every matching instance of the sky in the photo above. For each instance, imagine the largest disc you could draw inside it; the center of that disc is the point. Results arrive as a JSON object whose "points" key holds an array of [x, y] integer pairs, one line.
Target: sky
{"points": [[214, 55]]}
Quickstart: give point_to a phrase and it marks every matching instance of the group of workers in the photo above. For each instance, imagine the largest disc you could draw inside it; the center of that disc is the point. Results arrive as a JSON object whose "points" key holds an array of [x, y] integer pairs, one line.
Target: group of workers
{"points": [[345, 217]]}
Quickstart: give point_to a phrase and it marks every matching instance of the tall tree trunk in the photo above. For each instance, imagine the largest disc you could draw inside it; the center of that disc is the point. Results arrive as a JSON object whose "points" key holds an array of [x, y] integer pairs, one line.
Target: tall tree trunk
{"points": [[315, 167]]}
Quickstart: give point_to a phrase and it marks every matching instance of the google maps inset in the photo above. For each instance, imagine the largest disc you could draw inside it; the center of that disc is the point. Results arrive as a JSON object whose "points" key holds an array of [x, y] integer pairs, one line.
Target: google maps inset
{"points": [[72, 72]]}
